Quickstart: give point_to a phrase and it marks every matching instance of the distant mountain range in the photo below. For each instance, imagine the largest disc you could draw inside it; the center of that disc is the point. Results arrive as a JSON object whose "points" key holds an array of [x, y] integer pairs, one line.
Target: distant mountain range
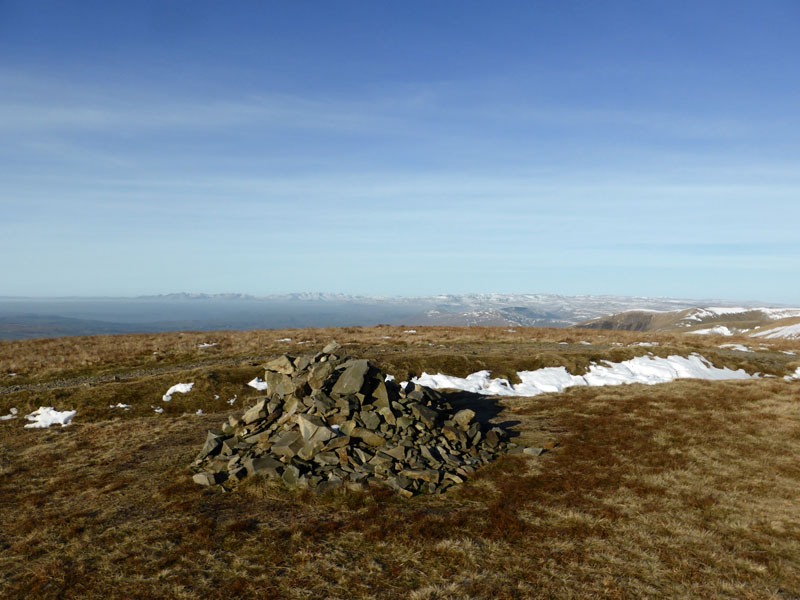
{"points": [[22, 318]]}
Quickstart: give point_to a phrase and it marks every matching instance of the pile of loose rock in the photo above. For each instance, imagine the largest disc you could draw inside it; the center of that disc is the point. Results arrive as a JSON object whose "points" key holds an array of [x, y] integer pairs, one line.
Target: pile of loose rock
{"points": [[330, 421]]}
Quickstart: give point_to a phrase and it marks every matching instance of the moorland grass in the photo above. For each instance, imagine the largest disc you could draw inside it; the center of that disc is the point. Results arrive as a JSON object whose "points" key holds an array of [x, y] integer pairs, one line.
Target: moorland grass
{"points": [[685, 490]]}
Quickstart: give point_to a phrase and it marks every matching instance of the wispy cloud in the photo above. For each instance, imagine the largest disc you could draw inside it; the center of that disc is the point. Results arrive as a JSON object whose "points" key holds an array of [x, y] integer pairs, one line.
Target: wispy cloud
{"points": [[30, 105]]}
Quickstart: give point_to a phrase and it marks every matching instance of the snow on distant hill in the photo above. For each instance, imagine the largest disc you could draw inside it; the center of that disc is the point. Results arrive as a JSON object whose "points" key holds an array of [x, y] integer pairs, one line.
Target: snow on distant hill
{"points": [[524, 310], [789, 332], [755, 321]]}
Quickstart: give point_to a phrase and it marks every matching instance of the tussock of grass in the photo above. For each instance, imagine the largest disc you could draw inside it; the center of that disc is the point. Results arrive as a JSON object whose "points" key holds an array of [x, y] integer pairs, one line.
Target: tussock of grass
{"points": [[682, 490]]}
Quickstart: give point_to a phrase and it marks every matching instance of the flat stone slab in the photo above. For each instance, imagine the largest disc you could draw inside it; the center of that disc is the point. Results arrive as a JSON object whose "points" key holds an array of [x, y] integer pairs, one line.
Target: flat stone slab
{"points": [[351, 381]]}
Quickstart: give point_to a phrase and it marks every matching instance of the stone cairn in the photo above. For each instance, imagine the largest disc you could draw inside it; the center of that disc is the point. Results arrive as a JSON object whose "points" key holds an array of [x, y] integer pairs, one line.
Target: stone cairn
{"points": [[330, 421]]}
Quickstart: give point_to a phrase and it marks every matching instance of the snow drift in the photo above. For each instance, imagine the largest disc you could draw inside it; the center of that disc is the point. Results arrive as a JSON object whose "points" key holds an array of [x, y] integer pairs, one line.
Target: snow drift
{"points": [[642, 369]]}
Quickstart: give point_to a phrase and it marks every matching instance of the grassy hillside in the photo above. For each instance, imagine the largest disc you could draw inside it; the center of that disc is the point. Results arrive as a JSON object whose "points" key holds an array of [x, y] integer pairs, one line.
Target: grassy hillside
{"points": [[686, 489], [753, 322]]}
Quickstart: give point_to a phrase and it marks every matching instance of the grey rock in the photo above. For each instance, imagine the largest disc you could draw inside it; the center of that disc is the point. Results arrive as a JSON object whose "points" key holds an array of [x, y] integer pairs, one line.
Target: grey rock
{"points": [[262, 465], [429, 475], [427, 415], [352, 378], [387, 415], [301, 363], [428, 455], [237, 474], [287, 444], [312, 426], [205, 478], [397, 453], [383, 397], [229, 446], [347, 427], [327, 458], [369, 437], [212, 445], [282, 364], [454, 435], [309, 450], [492, 439], [370, 419], [279, 384], [331, 348], [463, 418], [319, 374], [454, 478], [323, 403], [255, 412], [337, 442], [255, 438], [291, 476]]}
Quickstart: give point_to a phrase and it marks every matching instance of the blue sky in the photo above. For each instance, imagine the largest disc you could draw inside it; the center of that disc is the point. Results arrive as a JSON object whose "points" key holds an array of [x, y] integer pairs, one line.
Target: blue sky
{"points": [[403, 148]]}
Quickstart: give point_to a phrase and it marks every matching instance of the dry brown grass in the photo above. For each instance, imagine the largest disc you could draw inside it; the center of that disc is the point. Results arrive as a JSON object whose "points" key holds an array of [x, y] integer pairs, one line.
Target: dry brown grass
{"points": [[685, 490]]}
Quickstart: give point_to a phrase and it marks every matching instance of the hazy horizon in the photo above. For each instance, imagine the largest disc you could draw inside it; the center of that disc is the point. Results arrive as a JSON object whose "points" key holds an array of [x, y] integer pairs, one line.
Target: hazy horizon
{"points": [[316, 295], [25, 318]]}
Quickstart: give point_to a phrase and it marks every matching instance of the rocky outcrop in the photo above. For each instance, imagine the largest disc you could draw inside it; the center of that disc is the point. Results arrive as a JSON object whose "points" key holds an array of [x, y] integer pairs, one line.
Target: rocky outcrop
{"points": [[330, 421]]}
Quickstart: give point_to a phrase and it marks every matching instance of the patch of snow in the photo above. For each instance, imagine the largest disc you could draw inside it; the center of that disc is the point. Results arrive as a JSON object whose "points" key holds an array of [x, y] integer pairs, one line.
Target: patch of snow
{"points": [[284, 340], [410, 331], [208, 345], [788, 332], [563, 343], [120, 405], [12, 374], [12, 414], [157, 409], [199, 411], [585, 343], [511, 331], [232, 400], [644, 344], [795, 375], [717, 330], [45, 416], [386, 337], [789, 352], [216, 396], [389, 378], [718, 311], [178, 388], [738, 347], [258, 384], [305, 342], [698, 314], [642, 369]]}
